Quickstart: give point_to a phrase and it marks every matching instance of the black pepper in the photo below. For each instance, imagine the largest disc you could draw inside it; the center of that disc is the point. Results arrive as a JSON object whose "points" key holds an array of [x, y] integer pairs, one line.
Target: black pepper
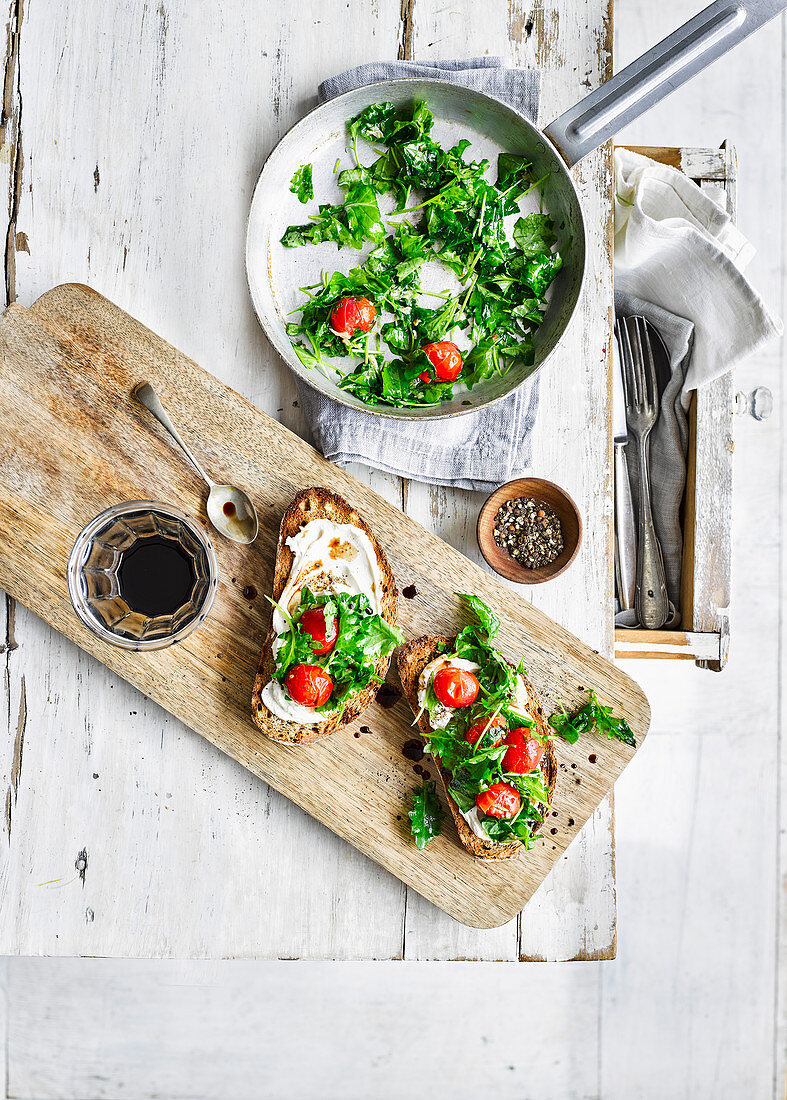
{"points": [[529, 531]]}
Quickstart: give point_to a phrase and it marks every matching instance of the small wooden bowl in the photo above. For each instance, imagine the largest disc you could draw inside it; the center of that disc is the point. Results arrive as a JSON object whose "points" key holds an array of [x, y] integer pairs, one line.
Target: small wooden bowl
{"points": [[544, 492]]}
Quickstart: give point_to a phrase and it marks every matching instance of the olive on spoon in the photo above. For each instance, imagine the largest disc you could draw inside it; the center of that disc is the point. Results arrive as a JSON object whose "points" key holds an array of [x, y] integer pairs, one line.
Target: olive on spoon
{"points": [[230, 510]]}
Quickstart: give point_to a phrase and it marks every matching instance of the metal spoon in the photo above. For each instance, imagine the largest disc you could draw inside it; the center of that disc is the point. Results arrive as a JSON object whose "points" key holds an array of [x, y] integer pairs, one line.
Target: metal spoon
{"points": [[230, 510]]}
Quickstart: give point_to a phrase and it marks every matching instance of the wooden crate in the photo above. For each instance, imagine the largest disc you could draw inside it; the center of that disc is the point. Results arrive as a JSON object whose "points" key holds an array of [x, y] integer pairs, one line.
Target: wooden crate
{"points": [[703, 635]]}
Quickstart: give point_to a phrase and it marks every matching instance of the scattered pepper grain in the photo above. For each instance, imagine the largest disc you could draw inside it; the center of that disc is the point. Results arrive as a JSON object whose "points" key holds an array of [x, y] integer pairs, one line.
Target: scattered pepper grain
{"points": [[529, 531]]}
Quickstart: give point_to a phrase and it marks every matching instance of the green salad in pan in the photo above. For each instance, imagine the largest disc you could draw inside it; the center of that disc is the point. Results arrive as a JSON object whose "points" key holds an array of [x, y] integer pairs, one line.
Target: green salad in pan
{"points": [[411, 345]]}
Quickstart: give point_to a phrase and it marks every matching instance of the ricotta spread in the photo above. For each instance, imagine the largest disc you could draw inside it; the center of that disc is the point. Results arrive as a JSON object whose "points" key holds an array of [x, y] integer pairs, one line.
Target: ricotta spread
{"points": [[472, 819], [520, 702], [328, 557]]}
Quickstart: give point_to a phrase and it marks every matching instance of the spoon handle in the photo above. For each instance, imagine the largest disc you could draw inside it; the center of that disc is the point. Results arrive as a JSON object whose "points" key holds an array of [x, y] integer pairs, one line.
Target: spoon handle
{"points": [[148, 397]]}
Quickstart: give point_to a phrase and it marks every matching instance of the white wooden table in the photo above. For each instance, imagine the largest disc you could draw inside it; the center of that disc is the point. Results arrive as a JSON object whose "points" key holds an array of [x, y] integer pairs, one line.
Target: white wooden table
{"points": [[129, 145]]}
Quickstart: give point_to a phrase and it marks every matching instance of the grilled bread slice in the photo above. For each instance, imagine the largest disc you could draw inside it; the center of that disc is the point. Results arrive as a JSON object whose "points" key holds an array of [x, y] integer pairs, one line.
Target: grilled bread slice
{"points": [[412, 659], [317, 503]]}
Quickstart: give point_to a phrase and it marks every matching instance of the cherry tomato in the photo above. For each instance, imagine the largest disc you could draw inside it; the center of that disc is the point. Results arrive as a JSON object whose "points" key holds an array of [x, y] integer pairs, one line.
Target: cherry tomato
{"points": [[351, 313], [496, 727], [525, 752], [309, 685], [345, 317], [501, 800], [367, 314], [313, 622], [455, 687], [446, 360]]}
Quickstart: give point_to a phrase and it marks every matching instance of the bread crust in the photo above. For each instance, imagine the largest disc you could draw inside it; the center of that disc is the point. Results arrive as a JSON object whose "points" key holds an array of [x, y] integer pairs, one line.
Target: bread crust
{"points": [[412, 659], [317, 503]]}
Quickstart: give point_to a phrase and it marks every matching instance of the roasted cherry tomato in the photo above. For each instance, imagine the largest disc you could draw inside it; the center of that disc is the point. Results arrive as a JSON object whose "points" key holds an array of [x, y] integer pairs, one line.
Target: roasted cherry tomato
{"points": [[313, 622], [350, 314], [446, 360], [525, 752], [497, 727], [455, 687], [367, 314], [501, 800], [309, 685]]}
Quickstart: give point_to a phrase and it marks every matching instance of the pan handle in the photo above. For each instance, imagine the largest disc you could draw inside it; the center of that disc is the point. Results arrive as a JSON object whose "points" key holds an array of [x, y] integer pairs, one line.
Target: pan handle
{"points": [[643, 83]]}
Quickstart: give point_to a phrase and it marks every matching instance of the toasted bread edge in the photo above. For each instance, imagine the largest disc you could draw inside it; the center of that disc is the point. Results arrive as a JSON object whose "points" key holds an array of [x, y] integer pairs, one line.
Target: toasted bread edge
{"points": [[411, 659], [317, 503]]}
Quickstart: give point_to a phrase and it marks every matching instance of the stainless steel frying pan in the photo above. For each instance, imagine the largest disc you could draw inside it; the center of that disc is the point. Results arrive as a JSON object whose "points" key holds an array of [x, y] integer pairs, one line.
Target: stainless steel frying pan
{"points": [[275, 273]]}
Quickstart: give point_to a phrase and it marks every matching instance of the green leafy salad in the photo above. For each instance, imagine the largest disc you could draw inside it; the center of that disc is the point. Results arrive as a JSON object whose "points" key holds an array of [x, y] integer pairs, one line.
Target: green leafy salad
{"points": [[485, 741], [402, 336], [329, 649], [481, 745]]}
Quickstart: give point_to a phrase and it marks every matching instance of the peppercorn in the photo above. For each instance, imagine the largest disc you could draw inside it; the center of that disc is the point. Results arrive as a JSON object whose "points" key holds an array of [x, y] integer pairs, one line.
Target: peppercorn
{"points": [[529, 531]]}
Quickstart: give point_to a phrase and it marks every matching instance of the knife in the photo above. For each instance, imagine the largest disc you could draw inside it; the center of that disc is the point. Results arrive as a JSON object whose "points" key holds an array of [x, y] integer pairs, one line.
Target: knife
{"points": [[625, 529]]}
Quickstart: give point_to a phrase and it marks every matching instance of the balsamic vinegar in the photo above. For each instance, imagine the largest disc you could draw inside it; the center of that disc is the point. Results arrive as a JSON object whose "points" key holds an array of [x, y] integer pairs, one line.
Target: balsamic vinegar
{"points": [[156, 576]]}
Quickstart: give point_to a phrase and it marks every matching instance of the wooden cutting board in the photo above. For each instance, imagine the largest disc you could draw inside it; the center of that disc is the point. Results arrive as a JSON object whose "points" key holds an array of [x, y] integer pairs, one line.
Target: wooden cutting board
{"points": [[75, 443]]}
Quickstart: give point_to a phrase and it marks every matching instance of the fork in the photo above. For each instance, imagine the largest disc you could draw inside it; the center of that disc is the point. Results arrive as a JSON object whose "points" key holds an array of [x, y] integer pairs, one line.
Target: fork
{"points": [[635, 337]]}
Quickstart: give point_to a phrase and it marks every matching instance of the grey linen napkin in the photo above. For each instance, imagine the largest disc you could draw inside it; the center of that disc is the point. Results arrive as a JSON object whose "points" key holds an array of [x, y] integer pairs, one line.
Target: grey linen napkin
{"points": [[474, 451], [668, 444]]}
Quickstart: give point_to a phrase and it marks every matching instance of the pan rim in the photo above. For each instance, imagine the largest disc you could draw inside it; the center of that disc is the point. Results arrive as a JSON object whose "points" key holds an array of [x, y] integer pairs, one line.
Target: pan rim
{"points": [[391, 412]]}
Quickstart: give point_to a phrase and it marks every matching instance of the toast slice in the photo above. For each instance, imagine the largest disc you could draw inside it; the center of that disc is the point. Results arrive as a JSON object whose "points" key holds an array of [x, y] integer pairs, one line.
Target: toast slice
{"points": [[412, 659], [317, 503]]}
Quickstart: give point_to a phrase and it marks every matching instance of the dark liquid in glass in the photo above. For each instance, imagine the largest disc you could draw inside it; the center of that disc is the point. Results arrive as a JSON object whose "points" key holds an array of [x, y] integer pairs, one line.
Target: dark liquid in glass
{"points": [[156, 576]]}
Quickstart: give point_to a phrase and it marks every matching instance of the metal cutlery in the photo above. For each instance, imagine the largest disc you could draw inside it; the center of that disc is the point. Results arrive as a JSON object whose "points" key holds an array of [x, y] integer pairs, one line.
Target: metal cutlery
{"points": [[636, 341], [625, 531], [229, 509]]}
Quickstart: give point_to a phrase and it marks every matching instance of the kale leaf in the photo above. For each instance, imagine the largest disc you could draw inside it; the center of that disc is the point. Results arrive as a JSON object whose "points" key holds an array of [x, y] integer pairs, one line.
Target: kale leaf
{"points": [[592, 716], [426, 814], [534, 234], [487, 620], [301, 183]]}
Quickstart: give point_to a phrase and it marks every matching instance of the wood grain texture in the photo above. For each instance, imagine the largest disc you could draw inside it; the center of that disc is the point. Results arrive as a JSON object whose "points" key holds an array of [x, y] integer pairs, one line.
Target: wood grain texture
{"points": [[714, 446], [707, 509], [148, 203], [235, 1029], [543, 492], [687, 1009], [70, 365], [572, 45]]}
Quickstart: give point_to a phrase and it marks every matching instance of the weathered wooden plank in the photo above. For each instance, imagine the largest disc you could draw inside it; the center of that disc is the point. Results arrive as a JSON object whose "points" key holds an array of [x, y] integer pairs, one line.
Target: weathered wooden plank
{"points": [[74, 342], [572, 46], [200, 1031], [150, 204], [675, 644], [704, 953], [11, 145], [683, 974], [696, 163], [714, 445], [572, 440], [120, 252]]}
